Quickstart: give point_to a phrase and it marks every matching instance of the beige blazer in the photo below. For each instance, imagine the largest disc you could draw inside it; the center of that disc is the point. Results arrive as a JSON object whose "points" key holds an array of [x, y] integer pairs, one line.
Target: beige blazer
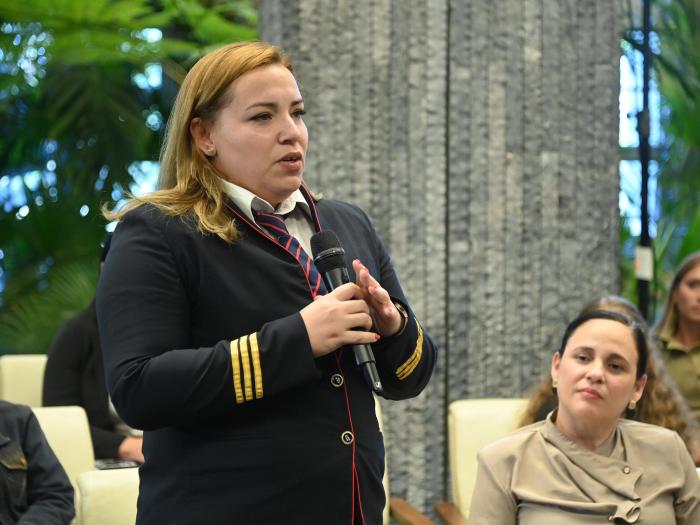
{"points": [[538, 476]]}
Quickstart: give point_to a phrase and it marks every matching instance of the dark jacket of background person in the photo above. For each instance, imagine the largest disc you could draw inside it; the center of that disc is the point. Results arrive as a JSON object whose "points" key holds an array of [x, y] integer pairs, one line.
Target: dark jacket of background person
{"points": [[276, 454], [74, 375], [34, 488]]}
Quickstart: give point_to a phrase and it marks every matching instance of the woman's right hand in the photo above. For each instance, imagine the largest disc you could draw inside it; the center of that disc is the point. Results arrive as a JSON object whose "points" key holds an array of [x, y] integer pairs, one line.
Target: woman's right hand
{"points": [[337, 319], [130, 449]]}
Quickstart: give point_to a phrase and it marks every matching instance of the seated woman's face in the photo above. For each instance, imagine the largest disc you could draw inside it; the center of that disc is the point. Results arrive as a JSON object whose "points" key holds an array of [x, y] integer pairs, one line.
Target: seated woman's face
{"points": [[597, 374], [687, 296]]}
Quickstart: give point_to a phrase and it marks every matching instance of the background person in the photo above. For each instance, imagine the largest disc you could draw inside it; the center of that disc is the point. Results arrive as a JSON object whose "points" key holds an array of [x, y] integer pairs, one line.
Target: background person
{"points": [[74, 375], [585, 463], [34, 487], [217, 336], [678, 332]]}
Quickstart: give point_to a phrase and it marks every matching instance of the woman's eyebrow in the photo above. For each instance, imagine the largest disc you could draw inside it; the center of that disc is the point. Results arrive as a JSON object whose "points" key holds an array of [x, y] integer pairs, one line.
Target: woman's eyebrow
{"points": [[273, 105], [617, 356]]}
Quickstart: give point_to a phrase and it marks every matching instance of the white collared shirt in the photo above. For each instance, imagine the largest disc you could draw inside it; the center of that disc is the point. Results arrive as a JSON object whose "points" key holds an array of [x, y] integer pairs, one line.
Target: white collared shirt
{"points": [[298, 221]]}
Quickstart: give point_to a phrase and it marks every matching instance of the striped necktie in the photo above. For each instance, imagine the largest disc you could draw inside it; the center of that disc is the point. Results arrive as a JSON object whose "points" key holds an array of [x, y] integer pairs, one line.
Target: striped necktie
{"points": [[275, 225]]}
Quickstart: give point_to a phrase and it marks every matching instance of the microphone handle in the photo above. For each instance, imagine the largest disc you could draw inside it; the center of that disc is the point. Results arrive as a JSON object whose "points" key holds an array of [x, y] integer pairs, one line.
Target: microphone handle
{"points": [[364, 357]]}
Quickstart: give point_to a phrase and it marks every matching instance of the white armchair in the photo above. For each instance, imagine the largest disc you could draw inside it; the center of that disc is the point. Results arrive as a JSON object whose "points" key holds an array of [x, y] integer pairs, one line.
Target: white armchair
{"points": [[472, 424], [22, 378], [108, 497]]}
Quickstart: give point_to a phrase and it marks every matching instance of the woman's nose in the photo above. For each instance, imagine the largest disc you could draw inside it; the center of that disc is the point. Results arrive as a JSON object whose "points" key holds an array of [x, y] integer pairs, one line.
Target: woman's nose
{"points": [[595, 371], [290, 130]]}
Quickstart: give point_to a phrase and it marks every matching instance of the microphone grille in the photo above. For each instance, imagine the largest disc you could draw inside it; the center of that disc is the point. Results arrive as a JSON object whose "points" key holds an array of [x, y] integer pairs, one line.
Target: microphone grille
{"points": [[324, 240]]}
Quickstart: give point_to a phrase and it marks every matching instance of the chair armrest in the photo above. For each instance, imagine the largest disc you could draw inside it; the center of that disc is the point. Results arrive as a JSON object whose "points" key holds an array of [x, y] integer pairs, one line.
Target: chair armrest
{"points": [[449, 513], [108, 497], [405, 514]]}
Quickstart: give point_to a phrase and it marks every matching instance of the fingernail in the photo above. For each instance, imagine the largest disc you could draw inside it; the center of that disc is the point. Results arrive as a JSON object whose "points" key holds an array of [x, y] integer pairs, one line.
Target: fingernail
{"points": [[377, 337]]}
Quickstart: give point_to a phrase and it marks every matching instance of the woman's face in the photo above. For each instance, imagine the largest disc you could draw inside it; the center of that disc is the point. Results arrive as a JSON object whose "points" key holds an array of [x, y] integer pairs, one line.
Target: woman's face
{"points": [[687, 297], [259, 139], [596, 376]]}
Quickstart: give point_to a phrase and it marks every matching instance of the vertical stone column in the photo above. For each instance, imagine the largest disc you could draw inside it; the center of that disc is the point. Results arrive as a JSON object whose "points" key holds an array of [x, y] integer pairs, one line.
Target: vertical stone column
{"points": [[533, 186], [481, 137]]}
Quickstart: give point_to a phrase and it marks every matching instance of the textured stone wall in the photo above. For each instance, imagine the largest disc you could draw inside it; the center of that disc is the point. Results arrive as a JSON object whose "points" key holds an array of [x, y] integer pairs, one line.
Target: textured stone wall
{"points": [[481, 137]]}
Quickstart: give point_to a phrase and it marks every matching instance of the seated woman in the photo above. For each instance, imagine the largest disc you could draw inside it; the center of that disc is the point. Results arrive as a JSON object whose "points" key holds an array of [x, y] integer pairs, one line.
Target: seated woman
{"points": [[678, 332], [662, 403], [74, 375], [34, 487], [585, 463]]}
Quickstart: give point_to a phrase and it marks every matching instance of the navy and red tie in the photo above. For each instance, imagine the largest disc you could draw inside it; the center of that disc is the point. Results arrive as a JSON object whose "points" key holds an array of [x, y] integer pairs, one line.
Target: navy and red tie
{"points": [[275, 225]]}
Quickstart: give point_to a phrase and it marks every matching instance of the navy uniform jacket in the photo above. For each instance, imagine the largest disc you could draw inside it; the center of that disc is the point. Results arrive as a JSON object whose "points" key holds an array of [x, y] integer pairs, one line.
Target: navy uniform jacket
{"points": [[205, 349], [34, 488]]}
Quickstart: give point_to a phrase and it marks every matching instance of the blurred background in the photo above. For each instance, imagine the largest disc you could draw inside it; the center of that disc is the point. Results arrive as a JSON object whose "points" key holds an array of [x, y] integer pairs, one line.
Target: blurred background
{"points": [[86, 87]]}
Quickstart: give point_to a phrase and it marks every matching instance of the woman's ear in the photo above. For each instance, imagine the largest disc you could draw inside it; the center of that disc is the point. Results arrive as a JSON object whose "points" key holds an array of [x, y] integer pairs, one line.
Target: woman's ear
{"points": [[554, 371], [201, 133], [639, 387]]}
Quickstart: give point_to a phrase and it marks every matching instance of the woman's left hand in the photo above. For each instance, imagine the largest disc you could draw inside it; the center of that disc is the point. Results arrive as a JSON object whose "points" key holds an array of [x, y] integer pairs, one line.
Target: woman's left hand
{"points": [[386, 317]]}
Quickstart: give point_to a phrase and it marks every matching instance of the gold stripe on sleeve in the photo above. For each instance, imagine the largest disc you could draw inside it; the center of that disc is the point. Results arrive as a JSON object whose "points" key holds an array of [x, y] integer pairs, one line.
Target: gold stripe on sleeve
{"points": [[236, 366], [257, 370], [247, 378], [411, 363]]}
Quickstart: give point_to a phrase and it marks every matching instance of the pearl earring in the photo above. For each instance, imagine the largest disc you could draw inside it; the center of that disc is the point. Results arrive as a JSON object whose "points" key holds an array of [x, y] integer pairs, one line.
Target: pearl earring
{"points": [[632, 404]]}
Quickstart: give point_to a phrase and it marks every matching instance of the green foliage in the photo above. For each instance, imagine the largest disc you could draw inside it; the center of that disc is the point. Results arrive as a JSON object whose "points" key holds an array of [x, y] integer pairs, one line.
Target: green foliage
{"points": [[678, 27], [28, 325], [677, 70], [73, 114]]}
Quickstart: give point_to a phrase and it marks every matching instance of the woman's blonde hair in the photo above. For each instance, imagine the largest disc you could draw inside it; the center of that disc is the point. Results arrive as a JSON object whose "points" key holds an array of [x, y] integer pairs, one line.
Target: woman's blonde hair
{"points": [[661, 403], [188, 181], [669, 319]]}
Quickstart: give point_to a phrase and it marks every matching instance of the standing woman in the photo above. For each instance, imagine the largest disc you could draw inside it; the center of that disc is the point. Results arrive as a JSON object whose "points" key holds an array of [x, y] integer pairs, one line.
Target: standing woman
{"points": [[219, 338], [678, 333]]}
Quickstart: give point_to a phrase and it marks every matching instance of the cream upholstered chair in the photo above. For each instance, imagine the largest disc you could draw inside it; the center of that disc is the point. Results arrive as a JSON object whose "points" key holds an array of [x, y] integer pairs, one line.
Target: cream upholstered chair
{"points": [[472, 424], [108, 497], [22, 378], [67, 431]]}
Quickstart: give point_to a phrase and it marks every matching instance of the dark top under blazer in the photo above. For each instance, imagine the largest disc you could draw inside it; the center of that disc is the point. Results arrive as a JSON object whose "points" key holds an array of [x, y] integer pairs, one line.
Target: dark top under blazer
{"points": [[260, 442], [75, 375]]}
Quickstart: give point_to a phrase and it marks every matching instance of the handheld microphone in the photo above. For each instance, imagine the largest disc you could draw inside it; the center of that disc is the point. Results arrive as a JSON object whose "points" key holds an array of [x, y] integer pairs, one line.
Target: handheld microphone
{"points": [[329, 258]]}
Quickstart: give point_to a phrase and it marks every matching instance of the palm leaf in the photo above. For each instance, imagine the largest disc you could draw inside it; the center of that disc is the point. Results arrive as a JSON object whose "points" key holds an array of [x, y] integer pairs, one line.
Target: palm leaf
{"points": [[28, 325]]}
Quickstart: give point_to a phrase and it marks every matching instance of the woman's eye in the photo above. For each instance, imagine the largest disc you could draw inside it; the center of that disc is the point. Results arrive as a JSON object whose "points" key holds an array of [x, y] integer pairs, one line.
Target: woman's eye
{"points": [[583, 358], [261, 116], [615, 367], [299, 113]]}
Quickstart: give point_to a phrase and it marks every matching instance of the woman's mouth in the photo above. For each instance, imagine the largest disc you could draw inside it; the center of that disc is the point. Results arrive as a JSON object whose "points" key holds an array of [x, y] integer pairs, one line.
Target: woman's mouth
{"points": [[292, 161], [590, 393]]}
